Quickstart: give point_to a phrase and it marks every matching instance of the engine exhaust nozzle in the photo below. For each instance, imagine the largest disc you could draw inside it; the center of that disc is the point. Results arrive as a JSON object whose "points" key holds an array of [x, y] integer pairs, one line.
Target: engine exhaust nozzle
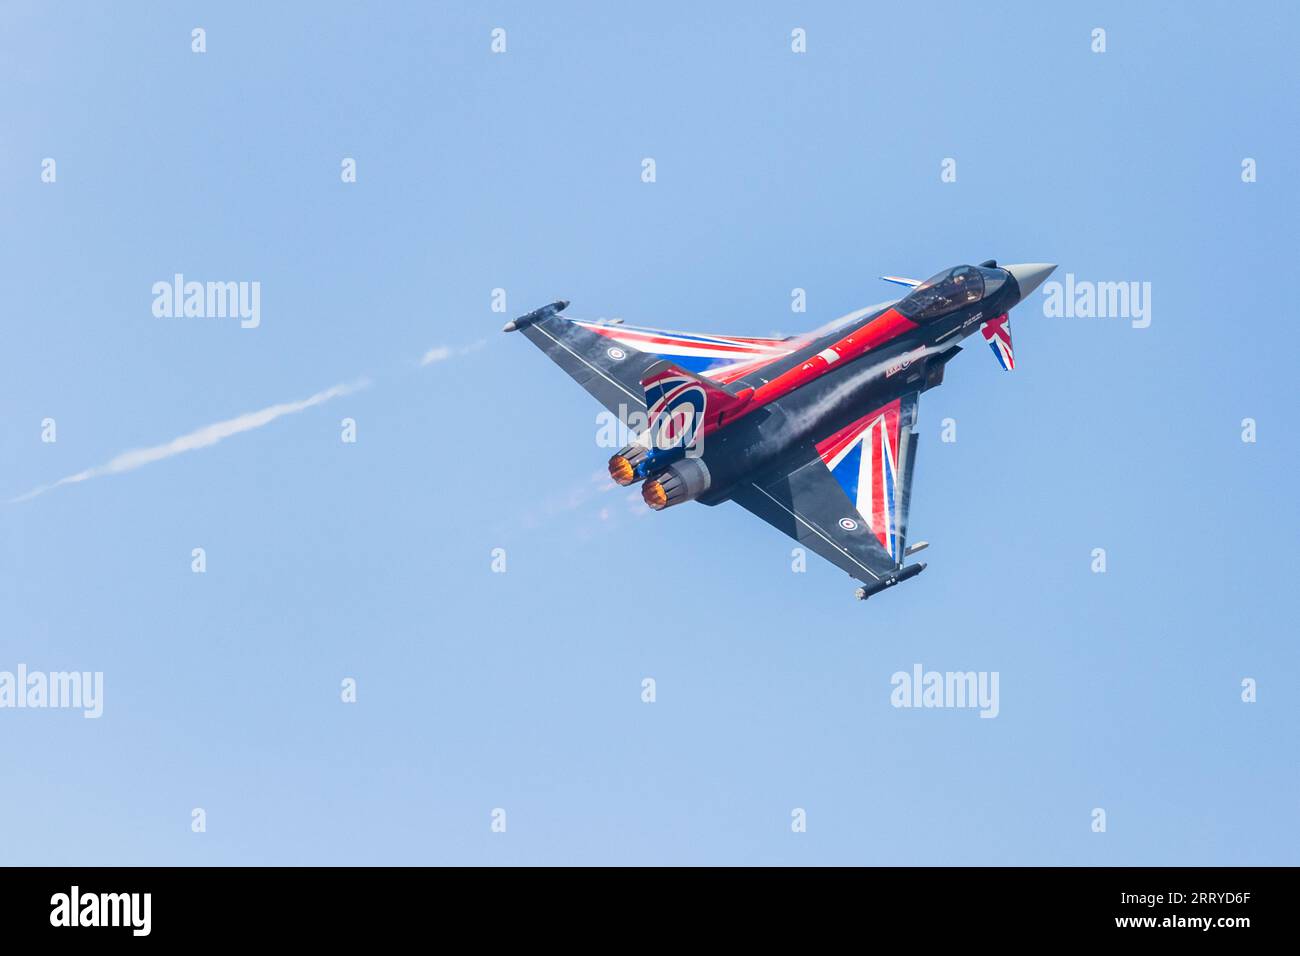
{"points": [[624, 463], [682, 481], [621, 470], [654, 495]]}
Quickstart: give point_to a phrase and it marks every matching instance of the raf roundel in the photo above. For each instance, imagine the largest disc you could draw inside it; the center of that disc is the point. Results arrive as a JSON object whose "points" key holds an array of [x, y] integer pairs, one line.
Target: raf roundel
{"points": [[678, 417], [616, 353], [848, 524]]}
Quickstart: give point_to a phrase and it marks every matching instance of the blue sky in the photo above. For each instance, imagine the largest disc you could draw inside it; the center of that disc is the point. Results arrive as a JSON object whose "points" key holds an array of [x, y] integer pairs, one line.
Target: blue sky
{"points": [[522, 690]]}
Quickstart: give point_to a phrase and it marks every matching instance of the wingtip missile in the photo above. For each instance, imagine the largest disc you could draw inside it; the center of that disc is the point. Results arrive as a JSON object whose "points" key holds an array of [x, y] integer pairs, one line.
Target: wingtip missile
{"points": [[902, 574], [545, 312]]}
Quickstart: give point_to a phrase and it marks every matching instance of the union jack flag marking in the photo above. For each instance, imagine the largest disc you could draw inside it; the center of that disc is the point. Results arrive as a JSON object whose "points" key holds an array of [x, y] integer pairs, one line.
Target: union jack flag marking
{"points": [[997, 333], [675, 405], [863, 458]]}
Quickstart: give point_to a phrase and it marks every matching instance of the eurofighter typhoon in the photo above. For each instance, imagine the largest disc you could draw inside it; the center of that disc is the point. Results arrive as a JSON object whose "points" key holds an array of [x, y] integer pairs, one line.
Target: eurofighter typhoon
{"points": [[814, 433]]}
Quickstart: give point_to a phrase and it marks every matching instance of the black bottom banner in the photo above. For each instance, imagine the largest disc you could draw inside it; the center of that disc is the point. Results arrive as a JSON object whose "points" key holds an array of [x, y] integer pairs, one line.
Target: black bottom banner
{"points": [[1173, 906]]}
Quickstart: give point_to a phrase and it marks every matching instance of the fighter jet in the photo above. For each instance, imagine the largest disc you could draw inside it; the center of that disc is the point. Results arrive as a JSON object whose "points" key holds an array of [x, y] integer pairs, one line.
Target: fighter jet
{"points": [[815, 433]]}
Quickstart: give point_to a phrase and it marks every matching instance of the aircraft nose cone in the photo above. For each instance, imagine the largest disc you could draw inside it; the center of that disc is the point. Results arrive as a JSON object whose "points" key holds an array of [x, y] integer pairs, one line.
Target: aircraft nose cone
{"points": [[1030, 275]]}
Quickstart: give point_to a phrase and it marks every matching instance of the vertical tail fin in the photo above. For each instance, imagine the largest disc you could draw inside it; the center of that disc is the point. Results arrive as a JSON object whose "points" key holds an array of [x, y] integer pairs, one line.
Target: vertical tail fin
{"points": [[682, 407]]}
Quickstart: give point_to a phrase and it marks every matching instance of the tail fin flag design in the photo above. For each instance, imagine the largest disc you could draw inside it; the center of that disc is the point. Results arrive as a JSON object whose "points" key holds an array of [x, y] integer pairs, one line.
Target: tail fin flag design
{"points": [[682, 407]]}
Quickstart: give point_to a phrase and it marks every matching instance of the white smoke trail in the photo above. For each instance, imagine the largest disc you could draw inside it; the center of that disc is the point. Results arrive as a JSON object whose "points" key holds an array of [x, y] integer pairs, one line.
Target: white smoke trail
{"points": [[199, 438], [440, 353]]}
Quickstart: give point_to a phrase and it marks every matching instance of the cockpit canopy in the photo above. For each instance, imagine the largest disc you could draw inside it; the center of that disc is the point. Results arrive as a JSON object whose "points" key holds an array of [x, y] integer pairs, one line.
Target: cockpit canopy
{"points": [[949, 291]]}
